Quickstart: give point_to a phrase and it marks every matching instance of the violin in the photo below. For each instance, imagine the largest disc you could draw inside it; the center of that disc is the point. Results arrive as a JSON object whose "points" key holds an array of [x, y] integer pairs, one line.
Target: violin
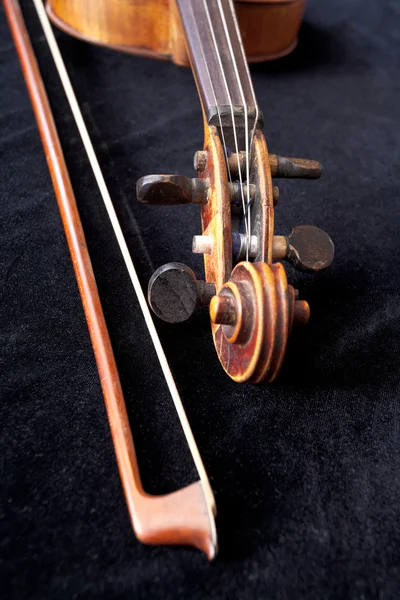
{"points": [[252, 306]]}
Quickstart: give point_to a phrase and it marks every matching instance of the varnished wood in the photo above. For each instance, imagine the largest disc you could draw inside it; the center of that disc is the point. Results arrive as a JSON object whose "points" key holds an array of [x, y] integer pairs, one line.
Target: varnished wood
{"points": [[254, 294], [269, 28], [306, 248], [223, 98], [263, 212], [294, 168], [181, 517], [251, 344], [216, 214]]}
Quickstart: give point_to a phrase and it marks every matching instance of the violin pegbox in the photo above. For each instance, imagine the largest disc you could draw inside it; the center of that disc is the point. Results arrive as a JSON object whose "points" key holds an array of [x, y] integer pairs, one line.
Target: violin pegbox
{"points": [[252, 306]]}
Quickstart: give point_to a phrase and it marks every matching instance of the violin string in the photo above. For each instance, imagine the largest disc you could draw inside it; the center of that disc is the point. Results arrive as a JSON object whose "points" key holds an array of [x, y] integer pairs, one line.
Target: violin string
{"points": [[215, 100], [66, 83], [210, 24], [246, 124], [253, 131]]}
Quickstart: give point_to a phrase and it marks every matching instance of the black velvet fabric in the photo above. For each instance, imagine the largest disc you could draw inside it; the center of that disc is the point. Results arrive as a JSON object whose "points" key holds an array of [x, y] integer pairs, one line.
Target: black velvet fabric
{"points": [[305, 471]]}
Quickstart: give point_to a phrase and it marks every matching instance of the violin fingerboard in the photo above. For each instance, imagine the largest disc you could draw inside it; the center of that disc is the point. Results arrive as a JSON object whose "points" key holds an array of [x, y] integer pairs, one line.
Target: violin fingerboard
{"points": [[218, 61]]}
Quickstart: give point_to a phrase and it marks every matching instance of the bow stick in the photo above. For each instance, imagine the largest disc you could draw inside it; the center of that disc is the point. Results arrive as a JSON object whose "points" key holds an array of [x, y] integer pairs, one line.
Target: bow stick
{"points": [[185, 516]]}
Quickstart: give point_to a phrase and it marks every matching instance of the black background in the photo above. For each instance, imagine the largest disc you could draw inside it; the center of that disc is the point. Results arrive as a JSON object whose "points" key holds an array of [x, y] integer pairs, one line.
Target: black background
{"points": [[305, 471]]}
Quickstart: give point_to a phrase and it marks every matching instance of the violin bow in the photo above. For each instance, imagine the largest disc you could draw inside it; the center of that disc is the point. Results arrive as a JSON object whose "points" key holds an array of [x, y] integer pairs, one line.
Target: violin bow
{"points": [[185, 516]]}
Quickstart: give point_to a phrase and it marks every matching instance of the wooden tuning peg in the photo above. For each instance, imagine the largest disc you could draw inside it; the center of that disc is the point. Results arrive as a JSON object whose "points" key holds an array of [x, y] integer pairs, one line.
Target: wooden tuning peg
{"points": [[171, 190], [298, 168], [281, 166], [174, 293], [307, 248]]}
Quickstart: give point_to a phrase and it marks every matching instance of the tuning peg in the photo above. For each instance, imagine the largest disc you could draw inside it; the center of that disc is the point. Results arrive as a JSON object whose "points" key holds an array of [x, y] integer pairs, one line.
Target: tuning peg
{"points": [[171, 190], [281, 166], [299, 168], [307, 248], [174, 292], [238, 192]]}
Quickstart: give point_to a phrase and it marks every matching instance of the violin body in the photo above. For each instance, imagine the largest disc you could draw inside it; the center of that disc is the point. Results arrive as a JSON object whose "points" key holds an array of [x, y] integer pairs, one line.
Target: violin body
{"points": [[153, 28]]}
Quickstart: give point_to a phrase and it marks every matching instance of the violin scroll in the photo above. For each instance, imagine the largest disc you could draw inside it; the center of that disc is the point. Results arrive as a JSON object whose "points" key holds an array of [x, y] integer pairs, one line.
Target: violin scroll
{"points": [[252, 306], [253, 316]]}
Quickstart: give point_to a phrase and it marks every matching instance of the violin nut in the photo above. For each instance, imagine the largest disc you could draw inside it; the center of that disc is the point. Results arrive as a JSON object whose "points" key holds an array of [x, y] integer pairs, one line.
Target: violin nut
{"points": [[223, 310], [200, 161]]}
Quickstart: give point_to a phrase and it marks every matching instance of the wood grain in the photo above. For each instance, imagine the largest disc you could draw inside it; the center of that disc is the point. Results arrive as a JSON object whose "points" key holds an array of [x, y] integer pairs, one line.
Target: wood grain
{"points": [[182, 517], [254, 297], [152, 28], [251, 347]]}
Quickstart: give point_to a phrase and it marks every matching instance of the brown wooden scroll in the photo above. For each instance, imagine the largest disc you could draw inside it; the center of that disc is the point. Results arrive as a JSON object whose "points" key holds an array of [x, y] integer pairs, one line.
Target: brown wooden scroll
{"points": [[184, 516], [253, 312]]}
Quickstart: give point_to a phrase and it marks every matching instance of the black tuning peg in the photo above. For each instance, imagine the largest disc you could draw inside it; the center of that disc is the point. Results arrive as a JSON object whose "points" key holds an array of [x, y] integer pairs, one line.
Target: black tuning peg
{"points": [[171, 190], [298, 168], [307, 248], [174, 292]]}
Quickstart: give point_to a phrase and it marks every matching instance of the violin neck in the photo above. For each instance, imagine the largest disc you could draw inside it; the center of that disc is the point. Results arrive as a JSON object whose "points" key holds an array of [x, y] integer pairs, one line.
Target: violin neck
{"points": [[219, 65]]}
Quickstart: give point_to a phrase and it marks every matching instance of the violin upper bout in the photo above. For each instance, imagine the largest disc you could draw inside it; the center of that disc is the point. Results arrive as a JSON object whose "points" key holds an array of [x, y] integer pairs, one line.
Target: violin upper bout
{"points": [[138, 27], [153, 28]]}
